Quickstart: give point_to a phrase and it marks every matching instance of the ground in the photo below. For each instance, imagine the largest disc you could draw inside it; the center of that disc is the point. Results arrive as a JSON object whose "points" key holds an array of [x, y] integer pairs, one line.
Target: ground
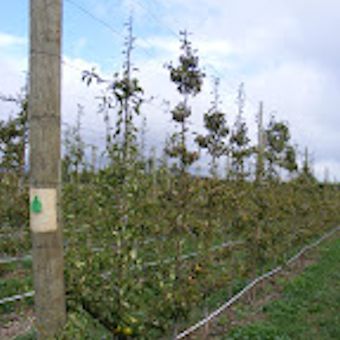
{"points": [[303, 302]]}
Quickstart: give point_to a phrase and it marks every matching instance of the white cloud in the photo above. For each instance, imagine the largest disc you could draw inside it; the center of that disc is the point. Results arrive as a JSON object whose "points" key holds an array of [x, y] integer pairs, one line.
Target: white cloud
{"points": [[13, 77], [79, 46], [205, 47], [327, 170], [285, 51], [8, 40], [306, 97]]}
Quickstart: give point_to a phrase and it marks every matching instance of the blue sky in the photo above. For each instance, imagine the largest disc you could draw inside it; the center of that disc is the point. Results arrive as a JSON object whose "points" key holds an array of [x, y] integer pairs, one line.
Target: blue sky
{"points": [[286, 52], [14, 18]]}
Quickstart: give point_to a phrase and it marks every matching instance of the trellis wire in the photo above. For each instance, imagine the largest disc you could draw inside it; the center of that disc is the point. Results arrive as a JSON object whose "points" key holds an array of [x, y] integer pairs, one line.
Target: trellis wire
{"points": [[192, 254], [236, 297], [16, 297], [184, 257], [8, 260], [224, 306]]}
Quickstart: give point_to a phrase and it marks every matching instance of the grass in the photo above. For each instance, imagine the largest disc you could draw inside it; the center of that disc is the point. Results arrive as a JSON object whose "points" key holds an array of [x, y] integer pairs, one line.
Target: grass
{"points": [[15, 278], [309, 305], [312, 297]]}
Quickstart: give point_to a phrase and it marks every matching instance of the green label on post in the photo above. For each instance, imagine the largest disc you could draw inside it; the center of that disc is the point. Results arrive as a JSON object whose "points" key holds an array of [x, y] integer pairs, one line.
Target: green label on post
{"points": [[36, 205]]}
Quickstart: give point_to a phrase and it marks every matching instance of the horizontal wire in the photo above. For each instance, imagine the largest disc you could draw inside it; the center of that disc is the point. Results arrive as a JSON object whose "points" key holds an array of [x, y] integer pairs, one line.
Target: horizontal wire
{"points": [[226, 305], [94, 17], [253, 283], [107, 25], [16, 297], [176, 35], [155, 18]]}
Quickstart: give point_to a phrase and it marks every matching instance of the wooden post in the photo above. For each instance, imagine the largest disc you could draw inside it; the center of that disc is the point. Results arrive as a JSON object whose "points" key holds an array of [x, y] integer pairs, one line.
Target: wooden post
{"points": [[45, 172], [306, 160], [94, 158], [260, 145]]}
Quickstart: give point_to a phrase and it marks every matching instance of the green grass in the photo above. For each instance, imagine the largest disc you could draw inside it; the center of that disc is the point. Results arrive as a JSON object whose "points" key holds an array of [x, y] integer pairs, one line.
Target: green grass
{"points": [[15, 278], [307, 310], [309, 307], [6, 268]]}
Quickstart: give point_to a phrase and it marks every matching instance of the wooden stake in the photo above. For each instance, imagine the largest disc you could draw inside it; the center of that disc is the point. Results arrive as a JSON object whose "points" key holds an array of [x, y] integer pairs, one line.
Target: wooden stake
{"points": [[261, 145], [44, 122]]}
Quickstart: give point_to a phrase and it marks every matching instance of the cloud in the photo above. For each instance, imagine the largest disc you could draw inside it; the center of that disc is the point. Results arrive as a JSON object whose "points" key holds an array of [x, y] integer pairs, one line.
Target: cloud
{"points": [[306, 97], [286, 53], [8, 40], [79, 46], [172, 45]]}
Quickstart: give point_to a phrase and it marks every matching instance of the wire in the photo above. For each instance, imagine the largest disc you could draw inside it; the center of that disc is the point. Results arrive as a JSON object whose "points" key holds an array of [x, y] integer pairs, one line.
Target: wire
{"points": [[247, 98], [16, 297], [66, 63], [236, 297], [251, 100], [155, 18], [62, 59], [100, 21], [107, 25]]}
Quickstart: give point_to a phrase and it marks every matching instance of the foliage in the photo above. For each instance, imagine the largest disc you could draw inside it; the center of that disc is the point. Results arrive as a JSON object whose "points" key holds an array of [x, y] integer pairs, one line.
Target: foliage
{"points": [[278, 150], [120, 270], [145, 245], [216, 126], [307, 309], [124, 95], [13, 144], [74, 150], [188, 78], [14, 137], [187, 75], [240, 149]]}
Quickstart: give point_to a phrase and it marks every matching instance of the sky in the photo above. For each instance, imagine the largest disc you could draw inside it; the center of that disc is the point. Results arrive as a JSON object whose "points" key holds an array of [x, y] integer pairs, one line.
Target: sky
{"points": [[284, 51]]}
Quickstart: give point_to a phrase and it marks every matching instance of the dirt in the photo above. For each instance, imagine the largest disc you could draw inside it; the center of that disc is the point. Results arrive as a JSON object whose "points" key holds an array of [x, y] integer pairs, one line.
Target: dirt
{"points": [[13, 325], [15, 274], [249, 308]]}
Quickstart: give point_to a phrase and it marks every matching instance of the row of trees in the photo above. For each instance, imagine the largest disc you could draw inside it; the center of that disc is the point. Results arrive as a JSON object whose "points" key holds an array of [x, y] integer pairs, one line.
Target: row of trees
{"points": [[121, 102], [146, 242]]}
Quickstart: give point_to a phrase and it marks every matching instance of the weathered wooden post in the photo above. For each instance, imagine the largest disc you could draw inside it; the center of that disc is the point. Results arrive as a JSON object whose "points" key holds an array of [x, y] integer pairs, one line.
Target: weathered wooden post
{"points": [[45, 176], [260, 145]]}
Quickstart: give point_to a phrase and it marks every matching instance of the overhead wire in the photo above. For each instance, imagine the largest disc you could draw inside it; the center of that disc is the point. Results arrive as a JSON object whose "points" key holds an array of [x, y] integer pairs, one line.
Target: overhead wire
{"points": [[251, 100], [94, 17], [154, 17], [169, 29], [107, 25]]}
